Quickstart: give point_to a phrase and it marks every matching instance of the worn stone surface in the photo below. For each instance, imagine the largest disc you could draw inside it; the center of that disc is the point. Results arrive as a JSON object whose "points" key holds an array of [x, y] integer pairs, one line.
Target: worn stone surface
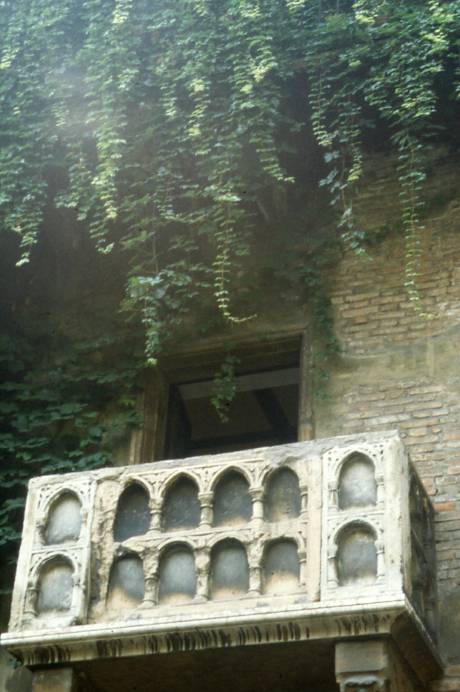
{"points": [[64, 522], [232, 503], [12, 678], [372, 666], [356, 556], [280, 668], [229, 570], [177, 575], [282, 498], [268, 578], [450, 681], [126, 583], [55, 680], [357, 486], [55, 587], [281, 567], [133, 514], [181, 509]]}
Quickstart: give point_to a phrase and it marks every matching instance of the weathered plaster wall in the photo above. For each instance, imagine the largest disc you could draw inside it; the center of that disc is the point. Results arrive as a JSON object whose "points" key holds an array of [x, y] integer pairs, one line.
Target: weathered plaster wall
{"points": [[401, 370]]}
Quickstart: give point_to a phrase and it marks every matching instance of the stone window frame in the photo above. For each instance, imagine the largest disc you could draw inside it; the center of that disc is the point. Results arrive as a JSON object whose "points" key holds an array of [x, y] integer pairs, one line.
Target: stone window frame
{"points": [[147, 443]]}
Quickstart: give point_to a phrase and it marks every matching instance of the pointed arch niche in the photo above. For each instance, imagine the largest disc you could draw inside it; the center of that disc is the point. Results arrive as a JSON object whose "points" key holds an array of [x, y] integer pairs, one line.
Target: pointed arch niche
{"points": [[181, 507], [64, 519], [126, 583], [232, 501], [282, 495], [133, 513], [177, 575], [281, 567], [229, 570], [357, 485], [356, 557], [55, 586]]}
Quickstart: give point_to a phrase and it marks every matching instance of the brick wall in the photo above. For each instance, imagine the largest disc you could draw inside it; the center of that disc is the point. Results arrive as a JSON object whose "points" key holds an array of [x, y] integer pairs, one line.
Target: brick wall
{"points": [[400, 370], [372, 307]]}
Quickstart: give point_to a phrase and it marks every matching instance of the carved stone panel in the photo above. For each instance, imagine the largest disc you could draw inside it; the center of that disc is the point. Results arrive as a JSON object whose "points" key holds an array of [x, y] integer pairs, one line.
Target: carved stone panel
{"points": [[133, 515], [274, 544], [64, 520], [127, 583], [229, 570], [232, 502], [178, 577], [282, 496], [181, 507], [281, 567], [55, 587]]}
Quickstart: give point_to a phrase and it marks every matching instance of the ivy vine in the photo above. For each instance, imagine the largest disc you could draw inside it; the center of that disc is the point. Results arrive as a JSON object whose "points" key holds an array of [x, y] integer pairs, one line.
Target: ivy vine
{"points": [[167, 133], [183, 139], [64, 413], [225, 387]]}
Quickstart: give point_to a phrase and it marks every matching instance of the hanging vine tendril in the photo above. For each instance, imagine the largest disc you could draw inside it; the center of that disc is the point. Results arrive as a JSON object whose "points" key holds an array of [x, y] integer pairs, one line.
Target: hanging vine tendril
{"points": [[148, 122]]}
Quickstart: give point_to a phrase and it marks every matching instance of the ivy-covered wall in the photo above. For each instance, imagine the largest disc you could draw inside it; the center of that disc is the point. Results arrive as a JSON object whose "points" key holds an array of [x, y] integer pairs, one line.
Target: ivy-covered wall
{"points": [[223, 171]]}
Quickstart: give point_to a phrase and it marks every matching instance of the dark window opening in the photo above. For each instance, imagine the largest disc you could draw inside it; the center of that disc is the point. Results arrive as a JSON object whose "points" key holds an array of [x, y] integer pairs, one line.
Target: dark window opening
{"points": [[264, 412]]}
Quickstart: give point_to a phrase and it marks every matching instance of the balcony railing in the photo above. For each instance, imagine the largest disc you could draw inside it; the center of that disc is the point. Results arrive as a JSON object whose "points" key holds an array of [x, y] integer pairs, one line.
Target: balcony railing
{"points": [[328, 538]]}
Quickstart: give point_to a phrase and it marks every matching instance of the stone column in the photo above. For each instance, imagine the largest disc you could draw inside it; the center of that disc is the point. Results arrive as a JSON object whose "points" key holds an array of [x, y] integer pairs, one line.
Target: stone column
{"points": [[156, 515], [54, 680], [206, 502], [203, 567], [303, 566], [304, 501], [257, 498], [332, 576], [380, 550], [333, 493], [151, 590], [380, 491], [362, 666]]}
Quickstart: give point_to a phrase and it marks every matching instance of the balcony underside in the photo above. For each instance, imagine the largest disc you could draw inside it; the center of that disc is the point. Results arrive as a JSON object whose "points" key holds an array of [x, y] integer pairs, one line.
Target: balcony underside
{"points": [[279, 668], [95, 649]]}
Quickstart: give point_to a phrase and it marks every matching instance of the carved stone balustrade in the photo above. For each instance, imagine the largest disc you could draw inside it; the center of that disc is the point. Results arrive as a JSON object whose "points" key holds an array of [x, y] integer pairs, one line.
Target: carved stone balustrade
{"points": [[329, 539]]}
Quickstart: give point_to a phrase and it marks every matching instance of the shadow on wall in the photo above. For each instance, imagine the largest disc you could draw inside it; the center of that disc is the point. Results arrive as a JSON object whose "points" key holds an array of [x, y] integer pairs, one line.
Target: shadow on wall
{"points": [[13, 679], [449, 609]]}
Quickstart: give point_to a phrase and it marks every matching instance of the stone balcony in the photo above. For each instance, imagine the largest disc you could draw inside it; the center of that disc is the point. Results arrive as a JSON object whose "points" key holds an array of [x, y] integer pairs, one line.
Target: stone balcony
{"points": [[329, 539]]}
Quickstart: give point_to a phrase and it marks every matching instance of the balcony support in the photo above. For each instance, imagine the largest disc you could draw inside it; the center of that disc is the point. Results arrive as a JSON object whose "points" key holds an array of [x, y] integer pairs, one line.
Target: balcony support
{"points": [[362, 666], [372, 665], [54, 680]]}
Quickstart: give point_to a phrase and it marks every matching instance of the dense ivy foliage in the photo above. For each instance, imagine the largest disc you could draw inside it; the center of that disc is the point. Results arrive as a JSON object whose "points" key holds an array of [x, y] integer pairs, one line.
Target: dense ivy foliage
{"points": [[170, 129], [65, 413], [187, 136]]}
